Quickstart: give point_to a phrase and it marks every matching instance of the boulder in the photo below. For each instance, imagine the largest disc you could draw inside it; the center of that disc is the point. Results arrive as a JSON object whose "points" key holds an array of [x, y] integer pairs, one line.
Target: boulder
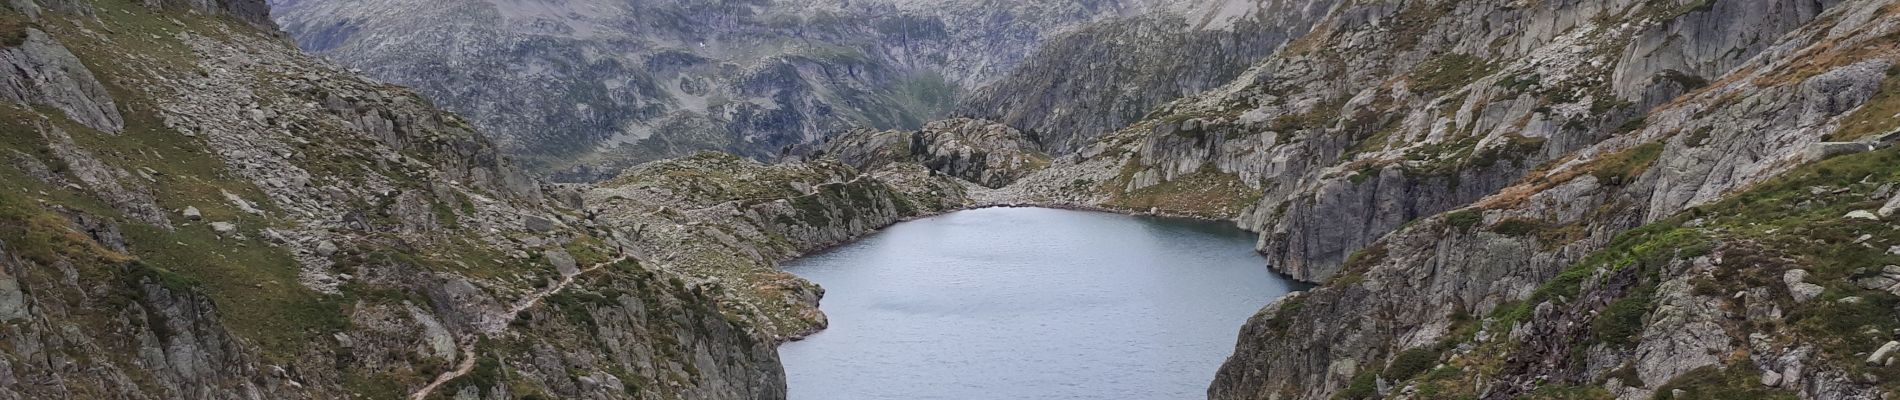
{"points": [[1887, 210], [192, 213], [562, 261], [1798, 288], [1823, 150], [537, 223], [1886, 351]]}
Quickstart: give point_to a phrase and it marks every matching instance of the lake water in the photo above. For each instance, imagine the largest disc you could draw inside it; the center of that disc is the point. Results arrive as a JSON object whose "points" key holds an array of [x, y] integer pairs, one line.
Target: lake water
{"points": [[1030, 303]]}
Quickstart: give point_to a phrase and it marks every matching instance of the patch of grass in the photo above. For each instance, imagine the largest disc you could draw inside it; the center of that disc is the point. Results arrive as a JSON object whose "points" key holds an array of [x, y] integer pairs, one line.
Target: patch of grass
{"points": [[1720, 383], [1283, 317], [1363, 386], [1417, 20], [13, 26], [1321, 116], [1412, 362], [1616, 169], [1652, 244], [1517, 227], [1571, 393], [1207, 193], [1464, 219], [1449, 72], [1621, 322], [255, 286]]}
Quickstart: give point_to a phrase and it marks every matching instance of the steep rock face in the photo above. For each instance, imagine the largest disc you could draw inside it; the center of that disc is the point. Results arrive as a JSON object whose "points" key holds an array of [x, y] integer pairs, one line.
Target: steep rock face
{"points": [[1100, 78], [584, 89], [1408, 110], [197, 210], [983, 152], [41, 72], [1543, 288]]}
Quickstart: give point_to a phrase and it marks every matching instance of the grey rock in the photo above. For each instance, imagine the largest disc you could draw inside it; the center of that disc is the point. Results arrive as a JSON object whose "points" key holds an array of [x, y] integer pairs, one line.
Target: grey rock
{"points": [[223, 228], [1798, 287], [1887, 210], [1884, 354], [1824, 150], [563, 262], [192, 213], [537, 223], [983, 152], [41, 71]]}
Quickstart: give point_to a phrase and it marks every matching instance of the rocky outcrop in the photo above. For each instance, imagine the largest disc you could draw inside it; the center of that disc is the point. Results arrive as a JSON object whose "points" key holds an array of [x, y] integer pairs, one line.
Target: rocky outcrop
{"points": [[727, 222], [1100, 78], [983, 152], [40, 71], [1464, 177]]}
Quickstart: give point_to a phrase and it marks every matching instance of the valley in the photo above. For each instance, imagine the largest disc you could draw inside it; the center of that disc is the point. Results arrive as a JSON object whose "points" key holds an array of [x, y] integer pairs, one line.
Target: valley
{"points": [[1492, 199]]}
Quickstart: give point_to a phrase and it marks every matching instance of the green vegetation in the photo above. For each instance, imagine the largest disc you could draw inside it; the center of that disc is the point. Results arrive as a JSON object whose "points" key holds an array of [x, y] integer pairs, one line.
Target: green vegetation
{"points": [[1621, 322], [1449, 157], [1363, 386], [1793, 221], [1323, 115], [1289, 308], [1517, 227], [1620, 168], [1208, 193], [1464, 219], [1721, 383], [1449, 72], [1669, 10], [13, 26], [1354, 268], [1417, 20], [1412, 362]]}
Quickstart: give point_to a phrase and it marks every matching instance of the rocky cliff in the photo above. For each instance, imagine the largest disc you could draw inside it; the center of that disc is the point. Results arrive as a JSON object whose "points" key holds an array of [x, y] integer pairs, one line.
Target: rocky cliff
{"points": [[1101, 77], [195, 209], [982, 152]]}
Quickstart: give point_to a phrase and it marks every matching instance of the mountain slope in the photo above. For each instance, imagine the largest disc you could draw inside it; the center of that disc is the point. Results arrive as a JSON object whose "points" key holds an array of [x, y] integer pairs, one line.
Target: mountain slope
{"points": [[1090, 82], [583, 89], [194, 209]]}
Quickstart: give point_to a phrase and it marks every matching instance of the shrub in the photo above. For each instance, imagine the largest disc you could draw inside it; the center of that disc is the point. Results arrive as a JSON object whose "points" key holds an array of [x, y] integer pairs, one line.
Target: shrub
{"points": [[1410, 363], [13, 27], [1464, 219]]}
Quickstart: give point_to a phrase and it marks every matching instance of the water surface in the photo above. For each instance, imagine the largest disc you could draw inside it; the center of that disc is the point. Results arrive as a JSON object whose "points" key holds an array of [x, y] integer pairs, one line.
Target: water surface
{"points": [[1029, 303]]}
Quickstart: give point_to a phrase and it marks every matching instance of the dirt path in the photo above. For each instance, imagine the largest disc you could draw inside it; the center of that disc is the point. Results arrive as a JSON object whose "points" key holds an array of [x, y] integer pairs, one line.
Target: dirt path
{"points": [[497, 323]]}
